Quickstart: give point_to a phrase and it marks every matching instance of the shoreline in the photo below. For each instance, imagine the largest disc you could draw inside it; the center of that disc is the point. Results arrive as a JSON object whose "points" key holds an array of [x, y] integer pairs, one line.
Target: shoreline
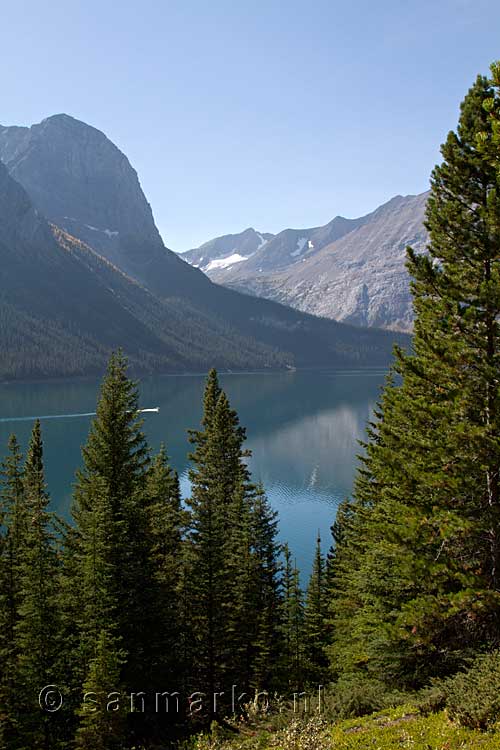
{"points": [[195, 374]]}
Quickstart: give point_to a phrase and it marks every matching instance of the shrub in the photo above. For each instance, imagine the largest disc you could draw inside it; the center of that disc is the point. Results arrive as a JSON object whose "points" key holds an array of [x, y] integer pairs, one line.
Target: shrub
{"points": [[433, 698], [473, 697], [354, 696]]}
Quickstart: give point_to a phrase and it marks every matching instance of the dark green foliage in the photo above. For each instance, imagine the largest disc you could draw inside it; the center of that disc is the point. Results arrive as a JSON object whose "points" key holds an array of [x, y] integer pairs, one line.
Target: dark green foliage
{"points": [[112, 523], [103, 711], [353, 696], [416, 570], [292, 619], [232, 570], [167, 522], [252, 596], [143, 593], [216, 475], [265, 597], [37, 628], [14, 520], [473, 696], [316, 631], [116, 450]]}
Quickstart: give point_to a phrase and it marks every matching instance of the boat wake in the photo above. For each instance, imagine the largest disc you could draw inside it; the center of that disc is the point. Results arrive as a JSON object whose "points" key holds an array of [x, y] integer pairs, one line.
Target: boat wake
{"points": [[151, 410]]}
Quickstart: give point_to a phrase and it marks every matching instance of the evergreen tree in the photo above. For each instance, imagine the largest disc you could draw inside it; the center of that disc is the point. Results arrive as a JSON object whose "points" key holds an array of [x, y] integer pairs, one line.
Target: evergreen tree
{"points": [[116, 449], [167, 521], [417, 575], [73, 608], [13, 519], [343, 556], [111, 518], [219, 480], [103, 711], [238, 605], [266, 599], [315, 621], [292, 624], [98, 592], [36, 631]]}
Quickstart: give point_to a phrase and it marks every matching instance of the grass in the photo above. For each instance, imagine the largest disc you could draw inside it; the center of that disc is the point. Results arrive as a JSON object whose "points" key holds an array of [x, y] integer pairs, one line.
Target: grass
{"points": [[399, 729]]}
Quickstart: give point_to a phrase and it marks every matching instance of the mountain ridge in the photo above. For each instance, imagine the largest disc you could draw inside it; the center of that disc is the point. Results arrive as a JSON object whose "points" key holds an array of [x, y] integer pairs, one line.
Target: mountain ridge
{"points": [[190, 322], [349, 270], [64, 308]]}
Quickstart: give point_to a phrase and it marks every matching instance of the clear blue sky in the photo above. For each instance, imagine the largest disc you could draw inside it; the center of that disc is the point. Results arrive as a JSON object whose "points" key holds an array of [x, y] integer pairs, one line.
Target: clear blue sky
{"points": [[264, 113]]}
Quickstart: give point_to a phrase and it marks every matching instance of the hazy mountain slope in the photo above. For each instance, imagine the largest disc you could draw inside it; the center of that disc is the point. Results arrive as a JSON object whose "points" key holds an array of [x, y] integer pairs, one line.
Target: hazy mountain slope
{"points": [[63, 308], [79, 180], [360, 277], [102, 203]]}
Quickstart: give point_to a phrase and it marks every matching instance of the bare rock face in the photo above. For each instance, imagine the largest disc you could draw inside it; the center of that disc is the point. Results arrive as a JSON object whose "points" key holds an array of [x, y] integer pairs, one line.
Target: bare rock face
{"points": [[79, 180], [21, 223], [93, 187], [351, 270]]}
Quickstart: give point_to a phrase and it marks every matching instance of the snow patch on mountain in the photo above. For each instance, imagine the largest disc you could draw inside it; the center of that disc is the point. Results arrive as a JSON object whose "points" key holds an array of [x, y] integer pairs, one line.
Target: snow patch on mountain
{"points": [[262, 240], [108, 232], [226, 262], [301, 243]]}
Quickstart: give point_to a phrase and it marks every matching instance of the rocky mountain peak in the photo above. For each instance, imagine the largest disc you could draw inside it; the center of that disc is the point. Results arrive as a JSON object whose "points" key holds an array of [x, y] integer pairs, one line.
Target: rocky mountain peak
{"points": [[95, 193], [225, 251], [351, 270]]}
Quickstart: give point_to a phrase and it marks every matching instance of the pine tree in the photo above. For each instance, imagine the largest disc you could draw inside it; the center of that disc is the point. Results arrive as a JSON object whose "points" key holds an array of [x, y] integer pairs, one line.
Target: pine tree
{"points": [[116, 449], [316, 632], [72, 606], [238, 605], [219, 479], [417, 579], [292, 624], [37, 631], [167, 522], [98, 593], [266, 599], [111, 518], [13, 518], [104, 707], [14, 521], [342, 563]]}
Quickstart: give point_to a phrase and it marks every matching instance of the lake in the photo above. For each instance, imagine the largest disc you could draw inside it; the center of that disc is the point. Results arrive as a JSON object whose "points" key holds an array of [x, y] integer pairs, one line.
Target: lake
{"points": [[303, 430]]}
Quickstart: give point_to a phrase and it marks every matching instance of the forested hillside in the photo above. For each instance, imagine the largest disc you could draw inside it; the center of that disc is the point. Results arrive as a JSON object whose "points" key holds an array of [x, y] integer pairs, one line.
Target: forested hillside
{"points": [[64, 308]]}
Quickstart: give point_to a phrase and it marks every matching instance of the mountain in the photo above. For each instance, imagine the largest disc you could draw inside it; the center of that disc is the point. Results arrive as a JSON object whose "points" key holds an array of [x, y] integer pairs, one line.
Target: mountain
{"points": [[223, 252], [79, 180], [63, 308], [266, 252], [75, 178], [350, 270]]}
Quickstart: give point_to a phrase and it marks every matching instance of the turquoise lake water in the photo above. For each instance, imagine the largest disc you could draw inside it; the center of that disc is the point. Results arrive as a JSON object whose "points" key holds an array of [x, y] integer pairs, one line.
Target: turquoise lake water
{"points": [[302, 427]]}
